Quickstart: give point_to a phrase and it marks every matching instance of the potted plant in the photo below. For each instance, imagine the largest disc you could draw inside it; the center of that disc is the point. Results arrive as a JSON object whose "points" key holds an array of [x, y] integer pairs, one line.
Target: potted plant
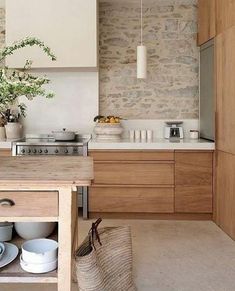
{"points": [[16, 83]]}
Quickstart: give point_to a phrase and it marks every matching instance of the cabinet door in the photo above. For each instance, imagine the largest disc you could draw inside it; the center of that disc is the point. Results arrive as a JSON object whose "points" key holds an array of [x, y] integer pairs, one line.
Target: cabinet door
{"points": [[225, 192], [193, 182], [225, 87], [225, 14], [68, 27], [206, 20]]}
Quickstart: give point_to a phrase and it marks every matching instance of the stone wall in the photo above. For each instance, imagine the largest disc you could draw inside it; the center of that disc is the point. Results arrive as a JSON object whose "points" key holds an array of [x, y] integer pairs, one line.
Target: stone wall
{"points": [[2, 27], [171, 89]]}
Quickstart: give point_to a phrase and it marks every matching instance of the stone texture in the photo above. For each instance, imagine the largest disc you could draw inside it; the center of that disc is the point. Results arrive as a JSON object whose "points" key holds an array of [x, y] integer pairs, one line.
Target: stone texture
{"points": [[171, 89]]}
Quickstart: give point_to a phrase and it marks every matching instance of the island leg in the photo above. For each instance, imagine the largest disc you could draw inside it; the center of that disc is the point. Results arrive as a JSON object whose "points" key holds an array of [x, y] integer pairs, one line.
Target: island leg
{"points": [[65, 240]]}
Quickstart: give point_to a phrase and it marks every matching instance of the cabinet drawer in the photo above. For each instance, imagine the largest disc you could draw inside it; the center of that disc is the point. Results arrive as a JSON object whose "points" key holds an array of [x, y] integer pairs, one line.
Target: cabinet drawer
{"points": [[123, 199], [30, 204], [134, 173], [194, 199], [132, 155]]}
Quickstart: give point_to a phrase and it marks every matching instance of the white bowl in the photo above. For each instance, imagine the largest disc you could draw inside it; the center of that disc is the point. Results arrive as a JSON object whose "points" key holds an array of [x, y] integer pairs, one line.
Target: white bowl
{"points": [[38, 268], [33, 230], [2, 250], [39, 251], [6, 231]]}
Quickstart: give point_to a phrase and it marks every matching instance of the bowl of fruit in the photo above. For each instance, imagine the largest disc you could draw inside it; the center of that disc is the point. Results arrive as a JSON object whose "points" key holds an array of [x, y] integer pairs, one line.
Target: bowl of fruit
{"points": [[108, 127]]}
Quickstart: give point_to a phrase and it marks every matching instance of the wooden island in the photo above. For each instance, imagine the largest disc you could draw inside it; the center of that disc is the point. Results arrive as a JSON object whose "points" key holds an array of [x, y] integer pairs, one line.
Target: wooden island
{"points": [[41, 189]]}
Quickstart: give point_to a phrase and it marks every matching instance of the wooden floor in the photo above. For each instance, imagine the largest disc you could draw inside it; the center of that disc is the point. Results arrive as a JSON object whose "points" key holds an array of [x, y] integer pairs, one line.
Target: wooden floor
{"points": [[173, 256]]}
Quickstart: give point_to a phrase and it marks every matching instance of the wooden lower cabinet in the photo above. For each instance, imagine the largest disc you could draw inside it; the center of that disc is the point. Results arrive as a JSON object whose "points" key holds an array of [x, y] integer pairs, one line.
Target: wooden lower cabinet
{"points": [[128, 199], [180, 184], [225, 192]]}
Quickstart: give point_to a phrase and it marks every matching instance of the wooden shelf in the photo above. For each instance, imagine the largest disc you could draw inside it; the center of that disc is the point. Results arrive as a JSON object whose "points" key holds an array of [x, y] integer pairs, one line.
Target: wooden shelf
{"points": [[13, 273]]}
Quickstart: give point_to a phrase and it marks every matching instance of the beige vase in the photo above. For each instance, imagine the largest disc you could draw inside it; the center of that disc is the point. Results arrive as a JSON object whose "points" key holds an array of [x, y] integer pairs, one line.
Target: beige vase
{"points": [[2, 133], [13, 130]]}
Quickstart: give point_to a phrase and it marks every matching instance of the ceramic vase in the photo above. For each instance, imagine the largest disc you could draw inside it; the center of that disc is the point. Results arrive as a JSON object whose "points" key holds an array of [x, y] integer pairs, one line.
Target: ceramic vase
{"points": [[2, 133], [13, 130]]}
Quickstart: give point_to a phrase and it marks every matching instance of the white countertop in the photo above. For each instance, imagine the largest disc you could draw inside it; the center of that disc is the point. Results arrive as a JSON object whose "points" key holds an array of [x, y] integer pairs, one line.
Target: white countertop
{"points": [[156, 144]]}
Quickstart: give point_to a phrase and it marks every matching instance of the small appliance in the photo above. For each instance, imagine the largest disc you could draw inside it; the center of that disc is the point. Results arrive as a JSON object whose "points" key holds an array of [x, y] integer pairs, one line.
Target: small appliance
{"points": [[173, 129]]}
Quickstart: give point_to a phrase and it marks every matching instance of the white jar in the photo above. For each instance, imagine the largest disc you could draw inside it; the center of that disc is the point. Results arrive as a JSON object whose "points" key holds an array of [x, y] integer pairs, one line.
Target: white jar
{"points": [[194, 134], [13, 130]]}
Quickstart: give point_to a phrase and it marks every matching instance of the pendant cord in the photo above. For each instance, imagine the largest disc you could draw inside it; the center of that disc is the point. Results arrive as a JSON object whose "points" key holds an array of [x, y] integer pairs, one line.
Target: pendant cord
{"points": [[141, 22]]}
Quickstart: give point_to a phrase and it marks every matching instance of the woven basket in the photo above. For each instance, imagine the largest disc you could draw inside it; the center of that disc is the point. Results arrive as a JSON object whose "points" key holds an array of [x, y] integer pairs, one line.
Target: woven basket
{"points": [[106, 267]]}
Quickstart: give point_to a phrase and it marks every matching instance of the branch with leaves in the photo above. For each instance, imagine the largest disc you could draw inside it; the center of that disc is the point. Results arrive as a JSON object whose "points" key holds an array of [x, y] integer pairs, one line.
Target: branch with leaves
{"points": [[16, 83]]}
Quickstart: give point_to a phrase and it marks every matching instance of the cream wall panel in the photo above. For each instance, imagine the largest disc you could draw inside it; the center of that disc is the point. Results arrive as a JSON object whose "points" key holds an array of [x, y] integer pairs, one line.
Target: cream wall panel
{"points": [[68, 27]]}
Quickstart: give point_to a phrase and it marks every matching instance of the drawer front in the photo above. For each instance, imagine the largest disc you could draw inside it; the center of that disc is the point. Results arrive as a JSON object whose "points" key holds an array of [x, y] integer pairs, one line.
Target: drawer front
{"points": [[134, 173], [123, 199], [132, 155], [193, 168], [30, 204], [193, 199]]}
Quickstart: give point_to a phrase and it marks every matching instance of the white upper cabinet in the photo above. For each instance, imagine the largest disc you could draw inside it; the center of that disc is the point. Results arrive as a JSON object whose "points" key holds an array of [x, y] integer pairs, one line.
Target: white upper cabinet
{"points": [[68, 27]]}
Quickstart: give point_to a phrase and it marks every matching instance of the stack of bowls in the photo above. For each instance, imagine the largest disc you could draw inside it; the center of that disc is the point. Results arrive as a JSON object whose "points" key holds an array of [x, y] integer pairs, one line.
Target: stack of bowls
{"points": [[39, 256]]}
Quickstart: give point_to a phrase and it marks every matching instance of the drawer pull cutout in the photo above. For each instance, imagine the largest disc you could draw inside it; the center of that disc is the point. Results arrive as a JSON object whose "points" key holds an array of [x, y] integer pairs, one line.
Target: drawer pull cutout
{"points": [[7, 202]]}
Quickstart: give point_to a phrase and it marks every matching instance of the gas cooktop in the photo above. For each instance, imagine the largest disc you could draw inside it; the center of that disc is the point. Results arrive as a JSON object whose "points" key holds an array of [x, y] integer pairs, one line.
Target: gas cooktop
{"points": [[47, 145]]}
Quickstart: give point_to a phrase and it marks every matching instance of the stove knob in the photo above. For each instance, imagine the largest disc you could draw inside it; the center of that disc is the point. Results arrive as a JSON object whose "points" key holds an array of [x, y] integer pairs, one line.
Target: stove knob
{"points": [[29, 151], [46, 151], [66, 151], [40, 151], [34, 151], [56, 151], [23, 151]]}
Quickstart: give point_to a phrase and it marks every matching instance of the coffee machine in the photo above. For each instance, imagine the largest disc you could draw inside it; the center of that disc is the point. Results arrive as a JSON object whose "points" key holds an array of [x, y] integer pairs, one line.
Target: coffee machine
{"points": [[173, 130]]}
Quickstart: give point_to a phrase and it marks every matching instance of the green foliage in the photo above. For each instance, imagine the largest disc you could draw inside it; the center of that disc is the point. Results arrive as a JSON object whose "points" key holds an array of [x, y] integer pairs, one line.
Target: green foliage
{"points": [[16, 83]]}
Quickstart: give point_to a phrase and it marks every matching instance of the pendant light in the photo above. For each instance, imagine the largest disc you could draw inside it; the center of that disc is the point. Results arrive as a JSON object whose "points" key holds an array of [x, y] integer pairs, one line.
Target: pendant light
{"points": [[141, 51]]}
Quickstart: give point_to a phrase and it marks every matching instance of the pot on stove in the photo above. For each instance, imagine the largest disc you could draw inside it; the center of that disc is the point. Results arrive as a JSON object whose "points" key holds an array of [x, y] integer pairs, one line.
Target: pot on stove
{"points": [[63, 135]]}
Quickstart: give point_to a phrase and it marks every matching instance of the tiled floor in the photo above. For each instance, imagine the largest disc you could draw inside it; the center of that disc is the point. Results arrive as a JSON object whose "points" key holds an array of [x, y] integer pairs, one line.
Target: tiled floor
{"points": [[173, 256]]}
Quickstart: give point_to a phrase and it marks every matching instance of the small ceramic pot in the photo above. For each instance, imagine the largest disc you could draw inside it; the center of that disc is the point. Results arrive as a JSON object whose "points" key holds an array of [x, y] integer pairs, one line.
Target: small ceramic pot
{"points": [[2, 133], [13, 130]]}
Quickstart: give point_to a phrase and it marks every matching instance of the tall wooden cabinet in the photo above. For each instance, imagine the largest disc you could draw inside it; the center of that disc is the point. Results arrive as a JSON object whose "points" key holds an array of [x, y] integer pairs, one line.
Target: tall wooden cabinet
{"points": [[225, 108], [225, 71], [206, 20]]}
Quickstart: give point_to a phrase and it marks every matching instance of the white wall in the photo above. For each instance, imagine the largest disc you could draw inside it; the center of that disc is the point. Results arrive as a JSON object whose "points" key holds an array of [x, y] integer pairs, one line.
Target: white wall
{"points": [[74, 106]]}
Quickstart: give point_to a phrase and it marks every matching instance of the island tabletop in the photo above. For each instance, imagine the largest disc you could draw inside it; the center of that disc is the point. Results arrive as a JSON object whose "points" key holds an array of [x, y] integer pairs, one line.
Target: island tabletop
{"points": [[46, 170]]}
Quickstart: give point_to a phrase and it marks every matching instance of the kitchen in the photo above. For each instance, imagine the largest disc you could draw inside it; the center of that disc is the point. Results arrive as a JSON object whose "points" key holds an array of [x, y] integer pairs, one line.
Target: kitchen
{"points": [[151, 170]]}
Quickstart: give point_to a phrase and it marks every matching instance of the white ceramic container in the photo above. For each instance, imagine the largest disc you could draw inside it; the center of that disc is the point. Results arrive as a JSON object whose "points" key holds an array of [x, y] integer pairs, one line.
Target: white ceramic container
{"points": [[39, 251], [14, 130], [194, 134], [38, 268], [2, 250], [6, 231], [2, 133], [108, 131], [33, 230]]}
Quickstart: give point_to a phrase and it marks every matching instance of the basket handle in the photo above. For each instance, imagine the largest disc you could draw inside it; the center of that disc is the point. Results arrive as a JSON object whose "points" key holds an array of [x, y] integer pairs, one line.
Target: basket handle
{"points": [[94, 234]]}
